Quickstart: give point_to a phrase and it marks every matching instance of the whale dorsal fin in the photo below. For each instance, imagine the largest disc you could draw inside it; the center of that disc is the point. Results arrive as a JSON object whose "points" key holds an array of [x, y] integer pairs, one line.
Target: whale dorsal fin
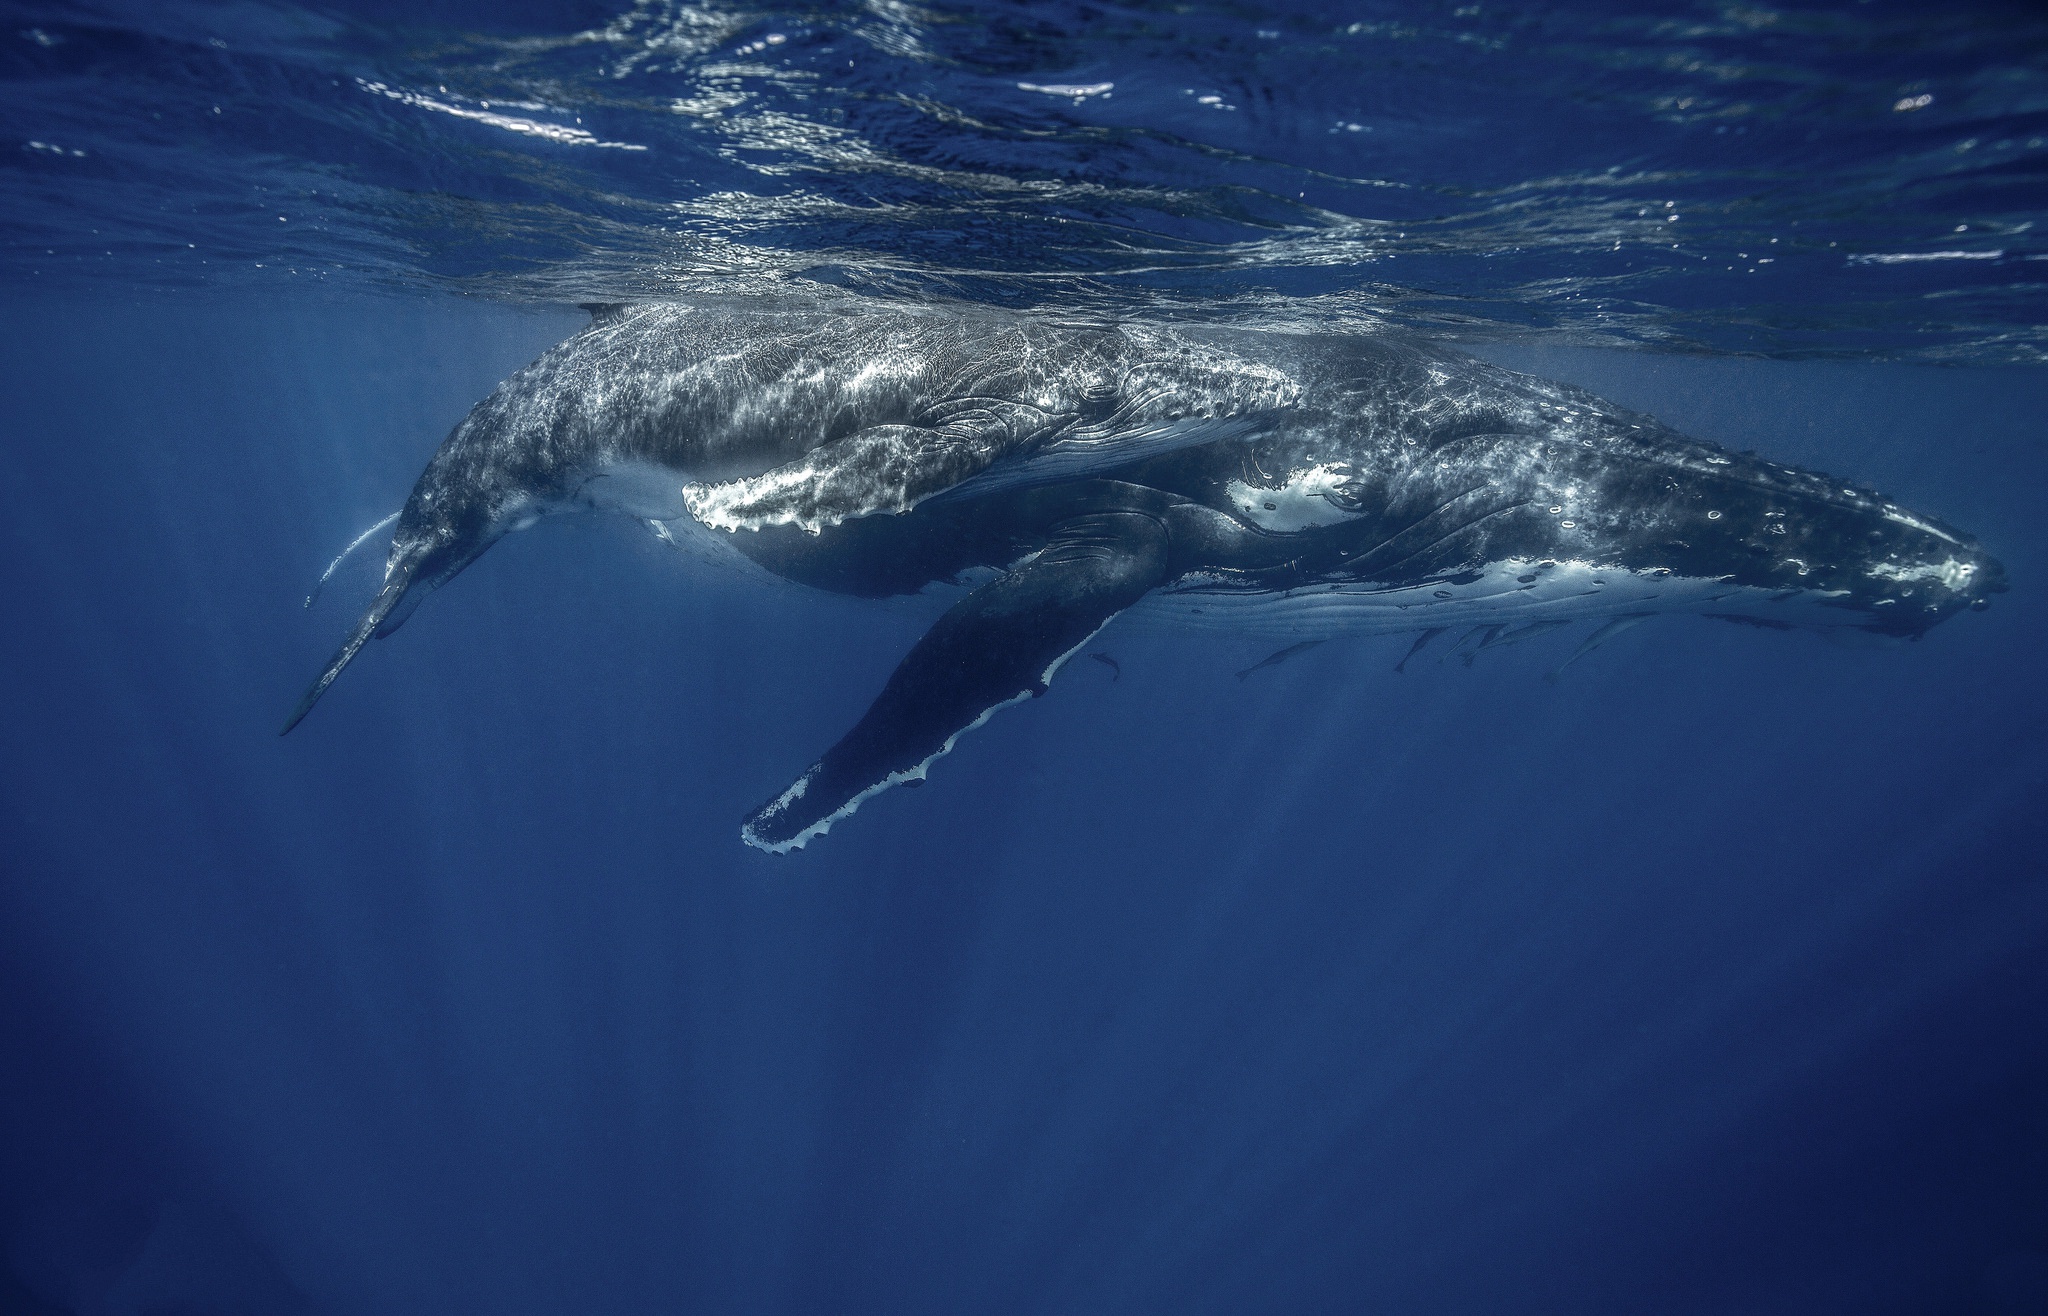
{"points": [[1000, 645]]}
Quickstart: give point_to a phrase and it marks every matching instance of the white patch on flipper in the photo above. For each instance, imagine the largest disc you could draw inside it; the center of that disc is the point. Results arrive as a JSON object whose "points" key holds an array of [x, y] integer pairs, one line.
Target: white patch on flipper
{"points": [[780, 495], [830, 485], [712, 504], [1304, 501], [1083, 454], [1052, 669], [823, 825]]}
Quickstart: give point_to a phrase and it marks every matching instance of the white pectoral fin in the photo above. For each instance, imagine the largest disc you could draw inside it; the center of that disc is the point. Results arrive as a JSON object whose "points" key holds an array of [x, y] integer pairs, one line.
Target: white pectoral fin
{"points": [[882, 470]]}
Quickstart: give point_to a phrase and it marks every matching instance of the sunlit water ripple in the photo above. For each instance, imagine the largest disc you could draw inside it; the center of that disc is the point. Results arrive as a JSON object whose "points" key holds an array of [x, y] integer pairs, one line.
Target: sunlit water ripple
{"points": [[1848, 179]]}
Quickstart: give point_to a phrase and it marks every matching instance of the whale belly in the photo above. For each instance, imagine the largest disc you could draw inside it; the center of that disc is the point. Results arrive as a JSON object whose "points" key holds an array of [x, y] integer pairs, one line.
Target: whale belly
{"points": [[643, 490]]}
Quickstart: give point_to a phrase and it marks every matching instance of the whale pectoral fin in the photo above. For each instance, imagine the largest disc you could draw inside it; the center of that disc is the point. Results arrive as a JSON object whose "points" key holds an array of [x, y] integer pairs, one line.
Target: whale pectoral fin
{"points": [[1000, 645], [882, 469]]}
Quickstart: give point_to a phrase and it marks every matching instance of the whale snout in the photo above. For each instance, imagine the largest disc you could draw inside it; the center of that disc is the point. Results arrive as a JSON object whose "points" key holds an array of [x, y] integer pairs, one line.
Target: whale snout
{"points": [[1909, 593], [1987, 577], [1990, 580]]}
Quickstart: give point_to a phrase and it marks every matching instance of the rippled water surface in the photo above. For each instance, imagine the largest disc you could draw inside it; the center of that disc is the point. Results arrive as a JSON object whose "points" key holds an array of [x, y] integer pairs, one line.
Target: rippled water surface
{"points": [[1819, 178]]}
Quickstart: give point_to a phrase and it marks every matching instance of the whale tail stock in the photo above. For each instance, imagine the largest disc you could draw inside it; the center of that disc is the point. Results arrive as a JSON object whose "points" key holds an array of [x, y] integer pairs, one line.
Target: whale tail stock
{"points": [[380, 618]]}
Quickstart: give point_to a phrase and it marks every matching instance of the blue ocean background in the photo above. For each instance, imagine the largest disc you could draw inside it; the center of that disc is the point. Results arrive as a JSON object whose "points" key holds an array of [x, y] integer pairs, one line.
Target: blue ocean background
{"points": [[1709, 978]]}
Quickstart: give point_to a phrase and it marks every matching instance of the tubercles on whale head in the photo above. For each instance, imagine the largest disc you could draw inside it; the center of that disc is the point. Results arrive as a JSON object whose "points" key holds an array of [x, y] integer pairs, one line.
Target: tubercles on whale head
{"points": [[1909, 587], [1792, 547], [1883, 569]]}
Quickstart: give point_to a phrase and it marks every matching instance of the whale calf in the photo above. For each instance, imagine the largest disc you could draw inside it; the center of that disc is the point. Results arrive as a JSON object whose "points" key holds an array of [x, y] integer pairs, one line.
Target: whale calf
{"points": [[1296, 485]]}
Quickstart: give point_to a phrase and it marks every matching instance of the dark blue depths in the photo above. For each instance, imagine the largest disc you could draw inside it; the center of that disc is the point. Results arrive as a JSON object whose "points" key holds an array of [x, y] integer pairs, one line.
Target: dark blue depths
{"points": [[1708, 979]]}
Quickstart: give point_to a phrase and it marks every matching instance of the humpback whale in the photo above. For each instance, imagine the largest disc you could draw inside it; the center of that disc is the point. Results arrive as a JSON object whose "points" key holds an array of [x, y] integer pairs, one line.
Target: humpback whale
{"points": [[1295, 485]]}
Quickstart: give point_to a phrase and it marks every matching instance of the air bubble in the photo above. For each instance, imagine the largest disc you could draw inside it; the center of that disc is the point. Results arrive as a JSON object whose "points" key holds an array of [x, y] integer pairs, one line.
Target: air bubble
{"points": [[1568, 524], [1555, 510], [1713, 516]]}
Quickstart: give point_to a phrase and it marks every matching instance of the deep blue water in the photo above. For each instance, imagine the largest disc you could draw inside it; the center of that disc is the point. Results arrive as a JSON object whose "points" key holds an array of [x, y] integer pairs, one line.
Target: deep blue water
{"points": [[1710, 978]]}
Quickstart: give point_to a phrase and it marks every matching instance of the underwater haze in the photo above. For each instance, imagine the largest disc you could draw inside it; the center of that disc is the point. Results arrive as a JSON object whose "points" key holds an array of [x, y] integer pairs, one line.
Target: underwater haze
{"points": [[1710, 976]]}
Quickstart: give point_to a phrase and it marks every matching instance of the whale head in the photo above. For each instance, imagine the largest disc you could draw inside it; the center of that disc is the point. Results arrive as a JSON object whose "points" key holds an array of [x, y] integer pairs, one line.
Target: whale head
{"points": [[1895, 573], [1751, 540]]}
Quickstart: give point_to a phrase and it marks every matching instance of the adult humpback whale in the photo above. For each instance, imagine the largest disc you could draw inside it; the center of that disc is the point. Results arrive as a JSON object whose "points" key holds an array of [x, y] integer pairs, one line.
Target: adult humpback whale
{"points": [[1298, 485]]}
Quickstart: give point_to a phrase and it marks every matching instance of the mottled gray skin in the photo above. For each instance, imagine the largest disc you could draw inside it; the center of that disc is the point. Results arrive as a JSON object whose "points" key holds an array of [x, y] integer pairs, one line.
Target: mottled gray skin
{"points": [[1335, 482], [920, 402]]}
